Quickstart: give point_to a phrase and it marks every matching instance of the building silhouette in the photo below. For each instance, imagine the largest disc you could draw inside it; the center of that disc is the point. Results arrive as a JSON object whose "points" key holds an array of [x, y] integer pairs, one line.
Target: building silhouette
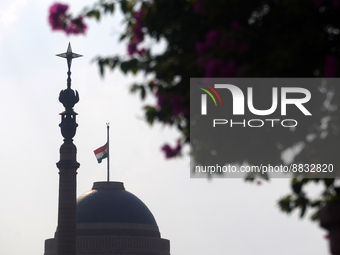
{"points": [[110, 221]]}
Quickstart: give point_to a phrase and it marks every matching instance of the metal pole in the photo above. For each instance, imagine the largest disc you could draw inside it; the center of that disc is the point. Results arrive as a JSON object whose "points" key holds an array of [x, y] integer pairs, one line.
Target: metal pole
{"points": [[108, 152]]}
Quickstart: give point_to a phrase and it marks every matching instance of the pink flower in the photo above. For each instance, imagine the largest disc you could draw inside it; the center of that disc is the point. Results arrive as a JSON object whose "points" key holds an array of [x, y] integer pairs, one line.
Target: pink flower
{"points": [[176, 105], [200, 61], [336, 3], [57, 17], [213, 67], [172, 152], [137, 34], [201, 48], [138, 15], [59, 20], [141, 52], [76, 26], [230, 45], [243, 47], [236, 26], [218, 68], [233, 45], [132, 48], [331, 66], [199, 7], [211, 37], [160, 99], [230, 69], [318, 2]]}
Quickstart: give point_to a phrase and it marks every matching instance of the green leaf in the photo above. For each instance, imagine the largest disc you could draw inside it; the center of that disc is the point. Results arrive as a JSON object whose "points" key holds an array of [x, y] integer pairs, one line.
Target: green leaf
{"points": [[134, 88], [315, 216], [101, 69], [328, 182], [142, 92], [297, 187], [123, 6], [123, 36], [113, 62], [93, 13], [130, 65], [150, 113], [109, 8], [285, 204], [303, 210], [124, 66]]}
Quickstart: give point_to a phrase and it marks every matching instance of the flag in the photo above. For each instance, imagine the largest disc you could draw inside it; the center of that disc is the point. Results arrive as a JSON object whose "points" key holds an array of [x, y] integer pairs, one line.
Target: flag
{"points": [[101, 153]]}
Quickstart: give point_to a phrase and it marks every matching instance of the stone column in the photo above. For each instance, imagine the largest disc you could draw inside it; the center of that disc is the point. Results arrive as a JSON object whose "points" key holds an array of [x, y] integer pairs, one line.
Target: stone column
{"points": [[67, 225], [67, 165]]}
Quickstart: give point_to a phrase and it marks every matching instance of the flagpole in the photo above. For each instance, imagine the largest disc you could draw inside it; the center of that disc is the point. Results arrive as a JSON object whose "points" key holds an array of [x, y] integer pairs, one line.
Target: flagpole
{"points": [[108, 152]]}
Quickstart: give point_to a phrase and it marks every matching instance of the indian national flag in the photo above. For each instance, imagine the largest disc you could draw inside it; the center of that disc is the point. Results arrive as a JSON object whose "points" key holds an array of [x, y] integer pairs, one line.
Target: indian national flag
{"points": [[101, 153]]}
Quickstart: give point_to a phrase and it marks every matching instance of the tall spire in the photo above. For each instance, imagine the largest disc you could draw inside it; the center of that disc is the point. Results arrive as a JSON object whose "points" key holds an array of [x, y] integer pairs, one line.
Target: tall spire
{"points": [[67, 165], [69, 55], [68, 98]]}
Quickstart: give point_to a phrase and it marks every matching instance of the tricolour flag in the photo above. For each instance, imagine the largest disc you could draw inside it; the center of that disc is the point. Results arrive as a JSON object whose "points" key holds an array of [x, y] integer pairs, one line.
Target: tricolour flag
{"points": [[101, 153]]}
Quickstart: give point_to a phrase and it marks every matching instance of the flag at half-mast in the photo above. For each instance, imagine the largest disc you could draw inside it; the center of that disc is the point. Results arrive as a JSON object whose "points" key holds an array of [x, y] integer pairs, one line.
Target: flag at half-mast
{"points": [[101, 153]]}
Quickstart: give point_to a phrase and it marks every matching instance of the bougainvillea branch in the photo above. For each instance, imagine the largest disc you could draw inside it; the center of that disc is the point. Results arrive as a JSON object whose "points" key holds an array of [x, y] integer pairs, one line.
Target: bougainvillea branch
{"points": [[60, 20]]}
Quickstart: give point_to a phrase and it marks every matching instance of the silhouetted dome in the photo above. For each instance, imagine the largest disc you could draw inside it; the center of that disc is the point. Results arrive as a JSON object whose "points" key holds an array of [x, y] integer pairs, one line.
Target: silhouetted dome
{"points": [[111, 220], [109, 202]]}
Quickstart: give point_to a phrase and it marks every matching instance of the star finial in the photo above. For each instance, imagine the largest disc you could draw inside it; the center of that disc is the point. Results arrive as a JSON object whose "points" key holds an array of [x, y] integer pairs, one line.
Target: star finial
{"points": [[69, 55]]}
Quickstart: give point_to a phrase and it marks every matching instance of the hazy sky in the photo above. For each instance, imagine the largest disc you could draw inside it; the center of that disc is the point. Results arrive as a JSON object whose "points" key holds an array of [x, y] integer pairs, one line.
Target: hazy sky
{"points": [[198, 216]]}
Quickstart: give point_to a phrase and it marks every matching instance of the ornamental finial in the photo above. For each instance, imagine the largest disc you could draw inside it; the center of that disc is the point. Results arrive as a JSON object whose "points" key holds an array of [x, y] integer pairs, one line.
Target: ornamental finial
{"points": [[69, 55], [68, 98]]}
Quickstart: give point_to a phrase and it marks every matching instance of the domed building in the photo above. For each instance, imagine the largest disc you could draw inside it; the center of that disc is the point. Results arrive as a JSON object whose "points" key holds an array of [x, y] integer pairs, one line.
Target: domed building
{"points": [[110, 221]]}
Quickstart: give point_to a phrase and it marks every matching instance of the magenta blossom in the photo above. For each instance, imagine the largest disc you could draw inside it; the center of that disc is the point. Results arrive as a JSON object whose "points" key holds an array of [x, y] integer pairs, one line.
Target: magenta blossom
{"points": [[218, 68], [137, 34], [199, 7], [76, 26], [172, 102], [336, 3], [331, 66], [229, 45], [59, 20], [213, 67], [160, 99], [318, 2], [132, 48], [172, 152], [243, 47], [211, 38], [57, 17], [177, 105], [201, 48], [141, 52], [236, 26], [138, 15], [230, 69]]}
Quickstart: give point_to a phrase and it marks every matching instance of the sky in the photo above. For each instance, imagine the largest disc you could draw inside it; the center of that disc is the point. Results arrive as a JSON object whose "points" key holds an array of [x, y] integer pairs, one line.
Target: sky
{"points": [[198, 216]]}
